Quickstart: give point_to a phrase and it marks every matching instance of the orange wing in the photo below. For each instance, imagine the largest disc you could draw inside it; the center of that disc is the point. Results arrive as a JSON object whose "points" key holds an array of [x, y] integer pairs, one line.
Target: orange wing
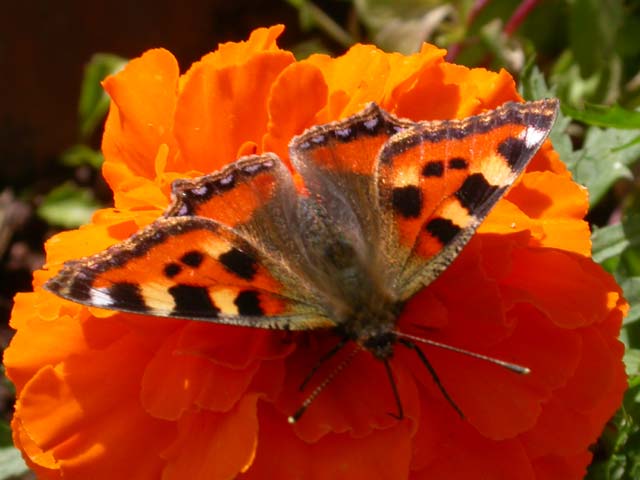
{"points": [[233, 195], [439, 180], [186, 267], [338, 161], [219, 254]]}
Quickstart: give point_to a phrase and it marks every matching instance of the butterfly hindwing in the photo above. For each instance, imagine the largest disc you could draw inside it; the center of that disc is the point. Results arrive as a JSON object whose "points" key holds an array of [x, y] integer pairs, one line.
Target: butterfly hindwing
{"points": [[439, 180], [235, 194], [337, 162]]}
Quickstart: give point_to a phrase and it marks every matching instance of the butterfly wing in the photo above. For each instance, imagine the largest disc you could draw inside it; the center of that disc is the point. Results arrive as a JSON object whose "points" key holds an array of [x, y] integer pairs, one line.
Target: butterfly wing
{"points": [[337, 162], [439, 180], [186, 265]]}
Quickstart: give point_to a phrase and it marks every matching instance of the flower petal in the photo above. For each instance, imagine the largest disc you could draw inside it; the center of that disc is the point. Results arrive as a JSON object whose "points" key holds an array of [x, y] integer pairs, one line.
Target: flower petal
{"points": [[384, 454], [221, 109], [568, 304], [143, 98], [448, 448], [358, 400], [214, 445], [192, 380], [295, 81], [355, 78], [91, 404]]}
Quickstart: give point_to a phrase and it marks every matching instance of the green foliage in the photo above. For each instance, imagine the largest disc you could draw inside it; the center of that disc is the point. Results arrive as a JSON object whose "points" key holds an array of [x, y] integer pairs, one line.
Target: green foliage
{"points": [[612, 116], [68, 206], [79, 155], [605, 157], [12, 465], [402, 26], [94, 101]]}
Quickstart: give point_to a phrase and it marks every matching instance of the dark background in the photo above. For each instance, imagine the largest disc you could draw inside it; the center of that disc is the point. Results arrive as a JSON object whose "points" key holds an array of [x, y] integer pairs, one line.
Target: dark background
{"points": [[44, 45]]}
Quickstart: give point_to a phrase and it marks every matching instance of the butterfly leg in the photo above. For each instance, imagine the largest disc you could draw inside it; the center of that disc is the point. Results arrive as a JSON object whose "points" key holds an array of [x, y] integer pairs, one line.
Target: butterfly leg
{"points": [[394, 389], [339, 346], [436, 379]]}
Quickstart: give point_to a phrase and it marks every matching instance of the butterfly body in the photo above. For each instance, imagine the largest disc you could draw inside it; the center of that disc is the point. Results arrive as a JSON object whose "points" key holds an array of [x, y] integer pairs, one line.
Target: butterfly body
{"points": [[387, 205]]}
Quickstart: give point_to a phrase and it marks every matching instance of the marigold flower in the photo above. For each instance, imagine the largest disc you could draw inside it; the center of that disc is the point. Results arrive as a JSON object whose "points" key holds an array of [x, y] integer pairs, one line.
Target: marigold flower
{"points": [[113, 395]]}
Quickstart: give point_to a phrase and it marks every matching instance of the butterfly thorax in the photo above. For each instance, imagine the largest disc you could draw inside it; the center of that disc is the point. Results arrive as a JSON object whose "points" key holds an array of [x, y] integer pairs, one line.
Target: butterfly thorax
{"points": [[350, 278]]}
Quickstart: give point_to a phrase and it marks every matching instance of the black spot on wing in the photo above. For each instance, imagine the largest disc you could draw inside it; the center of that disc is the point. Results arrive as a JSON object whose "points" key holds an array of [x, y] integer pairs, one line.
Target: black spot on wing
{"points": [[248, 303], [193, 301], [458, 163], [474, 192], [172, 269], [512, 149], [192, 259], [443, 229], [407, 201], [433, 169], [127, 296], [239, 263]]}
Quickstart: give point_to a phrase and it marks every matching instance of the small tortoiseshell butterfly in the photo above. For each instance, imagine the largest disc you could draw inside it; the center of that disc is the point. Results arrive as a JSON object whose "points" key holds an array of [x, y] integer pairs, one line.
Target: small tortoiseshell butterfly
{"points": [[387, 205]]}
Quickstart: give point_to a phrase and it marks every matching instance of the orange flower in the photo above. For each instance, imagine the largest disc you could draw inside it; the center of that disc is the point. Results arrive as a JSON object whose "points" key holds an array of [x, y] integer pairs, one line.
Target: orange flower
{"points": [[105, 395]]}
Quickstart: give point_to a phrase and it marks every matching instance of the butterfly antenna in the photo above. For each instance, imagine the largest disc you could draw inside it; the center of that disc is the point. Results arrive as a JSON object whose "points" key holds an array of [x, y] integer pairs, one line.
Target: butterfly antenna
{"points": [[394, 389], [514, 367], [321, 361], [432, 371], [312, 396]]}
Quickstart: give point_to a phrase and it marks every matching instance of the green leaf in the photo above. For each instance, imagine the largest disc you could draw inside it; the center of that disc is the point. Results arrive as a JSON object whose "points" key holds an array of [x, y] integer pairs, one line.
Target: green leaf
{"points": [[68, 206], [310, 15], [605, 116], [593, 29], [609, 242], [402, 26], [5, 434], [11, 463], [601, 162], [617, 452], [94, 102], [632, 363], [79, 155]]}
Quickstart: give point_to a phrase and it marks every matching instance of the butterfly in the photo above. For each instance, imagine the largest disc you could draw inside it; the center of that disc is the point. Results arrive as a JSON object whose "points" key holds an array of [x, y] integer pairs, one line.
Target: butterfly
{"points": [[384, 207]]}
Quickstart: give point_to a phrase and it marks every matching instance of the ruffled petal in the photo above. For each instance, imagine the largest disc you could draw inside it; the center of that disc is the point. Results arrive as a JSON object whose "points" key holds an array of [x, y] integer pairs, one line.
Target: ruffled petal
{"points": [[383, 454], [295, 81], [143, 103], [568, 304], [448, 448], [215, 446], [100, 402], [354, 79], [221, 108], [358, 400]]}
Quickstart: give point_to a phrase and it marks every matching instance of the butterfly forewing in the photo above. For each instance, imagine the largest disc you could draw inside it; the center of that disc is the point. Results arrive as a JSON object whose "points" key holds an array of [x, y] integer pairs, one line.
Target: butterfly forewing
{"points": [[187, 267], [439, 180]]}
